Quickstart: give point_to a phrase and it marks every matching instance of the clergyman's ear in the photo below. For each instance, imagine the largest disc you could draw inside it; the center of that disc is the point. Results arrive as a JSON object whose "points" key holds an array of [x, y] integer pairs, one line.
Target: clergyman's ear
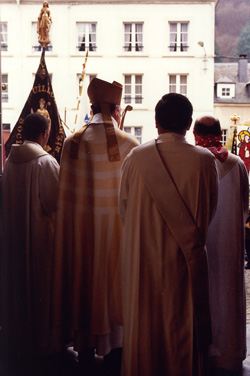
{"points": [[189, 124]]}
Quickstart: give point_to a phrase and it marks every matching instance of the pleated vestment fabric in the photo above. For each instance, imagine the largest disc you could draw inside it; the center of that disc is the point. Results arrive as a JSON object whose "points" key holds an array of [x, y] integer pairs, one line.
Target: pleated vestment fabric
{"points": [[87, 261]]}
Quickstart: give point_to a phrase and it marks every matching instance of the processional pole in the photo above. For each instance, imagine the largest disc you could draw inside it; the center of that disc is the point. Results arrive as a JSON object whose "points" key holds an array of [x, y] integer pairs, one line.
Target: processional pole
{"points": [[234, 118], [1, 124]]}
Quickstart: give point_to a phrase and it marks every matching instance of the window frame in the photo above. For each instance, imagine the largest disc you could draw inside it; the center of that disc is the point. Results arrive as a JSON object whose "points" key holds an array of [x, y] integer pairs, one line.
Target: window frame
{"points": [[178, 39], [179, 86], [5, 93], [133, 38], [132, 130], [6, 127], [86, 32], [4, 33], [88, 77], [226, 92], [224, 136], [133, 89], [226, 87]]}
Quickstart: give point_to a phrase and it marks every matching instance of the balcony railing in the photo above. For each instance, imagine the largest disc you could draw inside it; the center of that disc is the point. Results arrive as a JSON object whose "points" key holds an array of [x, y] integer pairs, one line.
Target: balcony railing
{"points": [[84, 47], [136, 48], [4, 47], [37, 48], [129, 99], [181, 48]]}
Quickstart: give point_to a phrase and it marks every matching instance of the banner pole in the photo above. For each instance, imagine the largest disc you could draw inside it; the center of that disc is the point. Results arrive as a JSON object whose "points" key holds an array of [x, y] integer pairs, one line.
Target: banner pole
{"points": [[1, 125]]}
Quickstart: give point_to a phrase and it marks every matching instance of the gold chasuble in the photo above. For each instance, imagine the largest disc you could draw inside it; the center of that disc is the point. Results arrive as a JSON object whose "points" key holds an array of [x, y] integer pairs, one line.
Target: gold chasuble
{"points": [[86, 304]]}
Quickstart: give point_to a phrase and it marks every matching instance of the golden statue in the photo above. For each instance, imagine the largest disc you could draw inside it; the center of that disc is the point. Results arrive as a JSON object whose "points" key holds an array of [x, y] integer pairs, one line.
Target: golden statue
{"points": [[43, 25], [42, 110]]}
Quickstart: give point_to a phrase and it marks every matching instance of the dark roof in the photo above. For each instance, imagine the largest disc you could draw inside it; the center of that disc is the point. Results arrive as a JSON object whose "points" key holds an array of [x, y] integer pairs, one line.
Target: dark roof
{"points": [[228, 73], [224, 80]]}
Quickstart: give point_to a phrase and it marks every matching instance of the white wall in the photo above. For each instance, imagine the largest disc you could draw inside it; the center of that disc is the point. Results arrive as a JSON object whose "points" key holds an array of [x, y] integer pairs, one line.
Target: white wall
{"points": [[110, 62]]}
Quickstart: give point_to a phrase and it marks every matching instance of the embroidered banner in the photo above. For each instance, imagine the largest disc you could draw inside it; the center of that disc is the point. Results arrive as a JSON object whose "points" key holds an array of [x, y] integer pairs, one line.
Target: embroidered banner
{"points": [[41, 99]]}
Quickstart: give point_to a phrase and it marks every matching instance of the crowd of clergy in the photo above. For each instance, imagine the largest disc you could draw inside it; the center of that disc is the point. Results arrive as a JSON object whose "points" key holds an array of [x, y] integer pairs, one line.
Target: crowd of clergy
{"points": [[133, 253]]}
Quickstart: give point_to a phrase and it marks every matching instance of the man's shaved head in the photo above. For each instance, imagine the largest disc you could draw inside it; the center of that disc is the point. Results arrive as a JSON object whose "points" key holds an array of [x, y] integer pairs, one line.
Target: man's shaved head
{"points": [[207, 125]]}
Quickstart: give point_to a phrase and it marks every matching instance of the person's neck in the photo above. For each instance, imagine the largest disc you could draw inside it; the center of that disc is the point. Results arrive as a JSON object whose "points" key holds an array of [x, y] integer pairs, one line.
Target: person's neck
{"points": [[162, 131], [32, 141]]}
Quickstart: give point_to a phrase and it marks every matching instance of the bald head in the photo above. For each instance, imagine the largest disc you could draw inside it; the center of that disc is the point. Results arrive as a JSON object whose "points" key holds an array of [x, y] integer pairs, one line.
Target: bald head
{"points": [[207, 125]]}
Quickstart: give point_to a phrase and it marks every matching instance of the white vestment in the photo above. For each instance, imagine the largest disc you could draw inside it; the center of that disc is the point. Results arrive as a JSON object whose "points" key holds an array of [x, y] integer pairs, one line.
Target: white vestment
{"points": [[30, 182], [158, 312], [225, 248]]}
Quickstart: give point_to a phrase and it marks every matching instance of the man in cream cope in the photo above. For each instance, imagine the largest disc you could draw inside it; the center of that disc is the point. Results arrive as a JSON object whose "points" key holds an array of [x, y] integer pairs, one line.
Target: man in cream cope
{"points": [[30, 182]]}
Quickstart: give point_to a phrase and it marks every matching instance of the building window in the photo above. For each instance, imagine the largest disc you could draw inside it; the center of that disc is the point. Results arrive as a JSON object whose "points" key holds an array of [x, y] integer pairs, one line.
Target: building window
{"points": [[178, 83], [87, 77], [86, 36], [5, 91], [225, 92], [133, 37], [6, 127], [178, 37], [36, 46], [83, 104], [135, 131], [4, 36], [224, 136], [133, 89]]}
